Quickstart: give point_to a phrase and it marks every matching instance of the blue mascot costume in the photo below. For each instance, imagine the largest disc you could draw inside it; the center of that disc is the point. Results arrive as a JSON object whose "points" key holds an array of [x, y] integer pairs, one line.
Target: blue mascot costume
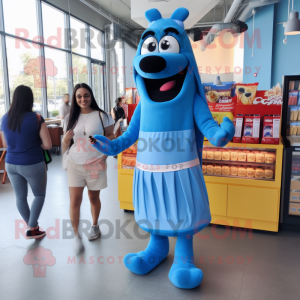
{"points": [[169, 193]]}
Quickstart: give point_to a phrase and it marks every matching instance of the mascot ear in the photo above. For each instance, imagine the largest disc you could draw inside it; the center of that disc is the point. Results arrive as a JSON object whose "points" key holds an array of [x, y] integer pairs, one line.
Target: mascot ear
{"points": [[152, 15], [180, 14]]}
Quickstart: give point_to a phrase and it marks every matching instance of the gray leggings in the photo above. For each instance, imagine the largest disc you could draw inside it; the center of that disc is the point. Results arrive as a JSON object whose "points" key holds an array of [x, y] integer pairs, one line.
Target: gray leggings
{"points": [[36, 176]]}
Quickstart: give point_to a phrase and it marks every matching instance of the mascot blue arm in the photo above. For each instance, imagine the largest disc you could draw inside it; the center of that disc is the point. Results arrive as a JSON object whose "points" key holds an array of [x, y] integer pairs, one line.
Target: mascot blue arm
{"points": [[207, 125], [216, 135], [171, 199], [123, 142]]}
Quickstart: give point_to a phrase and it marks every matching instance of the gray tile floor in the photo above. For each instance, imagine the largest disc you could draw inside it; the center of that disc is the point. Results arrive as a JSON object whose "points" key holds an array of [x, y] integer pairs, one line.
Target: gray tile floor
{"points": [[266, 266]]}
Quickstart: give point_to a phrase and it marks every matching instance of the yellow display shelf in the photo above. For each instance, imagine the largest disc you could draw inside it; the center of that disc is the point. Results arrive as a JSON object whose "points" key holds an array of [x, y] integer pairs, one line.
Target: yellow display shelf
{"points": [[239, 202]]}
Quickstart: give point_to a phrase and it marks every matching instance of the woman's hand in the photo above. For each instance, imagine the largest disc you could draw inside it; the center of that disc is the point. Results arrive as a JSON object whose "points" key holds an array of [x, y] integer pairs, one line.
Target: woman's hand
{"points": [[68, 137], [104, 158]]}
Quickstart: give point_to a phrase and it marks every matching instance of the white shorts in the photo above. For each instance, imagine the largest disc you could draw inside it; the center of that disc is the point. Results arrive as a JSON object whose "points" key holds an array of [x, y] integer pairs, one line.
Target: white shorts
{"points": [[87, 175]]}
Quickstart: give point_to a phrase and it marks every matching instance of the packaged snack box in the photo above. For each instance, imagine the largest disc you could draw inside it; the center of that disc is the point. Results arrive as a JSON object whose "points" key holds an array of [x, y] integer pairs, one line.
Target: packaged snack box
{"points": [[251, 129], [271, 129], [238, 124], [293, 98], [246, 93]]}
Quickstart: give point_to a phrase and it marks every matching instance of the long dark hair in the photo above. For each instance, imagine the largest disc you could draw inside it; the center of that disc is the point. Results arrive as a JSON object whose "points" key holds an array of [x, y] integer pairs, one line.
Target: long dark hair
{"points": [[75, 108], [21, 104]]}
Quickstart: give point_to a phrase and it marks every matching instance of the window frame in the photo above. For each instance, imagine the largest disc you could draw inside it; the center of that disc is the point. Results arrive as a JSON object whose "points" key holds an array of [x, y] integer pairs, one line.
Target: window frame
{"points": [[68, 50]]}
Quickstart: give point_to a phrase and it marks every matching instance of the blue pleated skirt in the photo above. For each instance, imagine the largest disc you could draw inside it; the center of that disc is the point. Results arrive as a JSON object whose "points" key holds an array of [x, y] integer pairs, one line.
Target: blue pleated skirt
{"points": [[171, 203]]}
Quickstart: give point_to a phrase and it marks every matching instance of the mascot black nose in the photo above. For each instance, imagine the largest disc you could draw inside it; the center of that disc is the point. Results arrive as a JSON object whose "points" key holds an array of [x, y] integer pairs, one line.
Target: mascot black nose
{"points": [[153, 64]]}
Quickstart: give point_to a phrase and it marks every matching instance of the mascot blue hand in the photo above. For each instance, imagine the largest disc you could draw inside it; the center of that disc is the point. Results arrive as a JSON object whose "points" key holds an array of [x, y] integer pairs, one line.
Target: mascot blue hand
{"points": [[225, 134], [103, 144]]}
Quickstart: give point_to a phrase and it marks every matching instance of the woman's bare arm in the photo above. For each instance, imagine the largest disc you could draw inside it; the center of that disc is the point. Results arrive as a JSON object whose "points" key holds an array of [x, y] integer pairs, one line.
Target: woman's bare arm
{"points": [[45, 137], [3, 140], [66, 141], [109, 133]]}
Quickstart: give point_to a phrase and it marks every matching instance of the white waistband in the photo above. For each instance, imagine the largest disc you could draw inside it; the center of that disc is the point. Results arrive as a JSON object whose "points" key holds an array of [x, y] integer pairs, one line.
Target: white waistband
{"points": [[168, 168]]}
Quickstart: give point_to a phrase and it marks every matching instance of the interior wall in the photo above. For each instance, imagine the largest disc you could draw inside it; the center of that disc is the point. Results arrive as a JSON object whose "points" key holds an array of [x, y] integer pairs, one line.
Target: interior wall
{"points": [[285, 59], [261, 62], [217, 59], [83, 12], [238, 60]]}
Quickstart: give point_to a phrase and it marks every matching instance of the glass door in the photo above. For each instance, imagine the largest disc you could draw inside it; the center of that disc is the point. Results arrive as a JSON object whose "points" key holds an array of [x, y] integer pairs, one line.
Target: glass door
{"points": [[294, 207], [290, 128], [97, 83]]}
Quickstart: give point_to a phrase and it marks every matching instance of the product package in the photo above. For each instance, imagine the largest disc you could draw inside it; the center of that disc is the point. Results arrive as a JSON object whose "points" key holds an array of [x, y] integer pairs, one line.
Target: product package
{"points": [[274, 92], [220, 97], [238, 124], [129, 96], [251, 129], [295, 128], [294, 209], [271, 128], [246, 93], [294, 114], [293, 97]]}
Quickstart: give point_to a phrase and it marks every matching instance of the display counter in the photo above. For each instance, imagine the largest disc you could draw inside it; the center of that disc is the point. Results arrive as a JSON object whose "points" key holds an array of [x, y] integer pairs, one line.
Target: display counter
{"points": [[243, 183], [52, 121]]}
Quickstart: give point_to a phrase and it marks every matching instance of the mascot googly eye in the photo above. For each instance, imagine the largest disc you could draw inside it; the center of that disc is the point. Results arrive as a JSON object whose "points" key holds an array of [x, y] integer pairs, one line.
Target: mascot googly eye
{"points": [[150, 45], [169, 44]]}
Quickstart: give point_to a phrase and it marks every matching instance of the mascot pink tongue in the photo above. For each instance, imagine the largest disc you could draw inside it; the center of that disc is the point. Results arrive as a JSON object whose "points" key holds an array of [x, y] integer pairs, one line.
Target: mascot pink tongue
{"points": [[169, 192], [168, 86]]}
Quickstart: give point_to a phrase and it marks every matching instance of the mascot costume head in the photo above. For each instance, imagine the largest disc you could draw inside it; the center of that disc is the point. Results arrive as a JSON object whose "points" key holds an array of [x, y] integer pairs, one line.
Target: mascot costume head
{"points": [[170, 121]]}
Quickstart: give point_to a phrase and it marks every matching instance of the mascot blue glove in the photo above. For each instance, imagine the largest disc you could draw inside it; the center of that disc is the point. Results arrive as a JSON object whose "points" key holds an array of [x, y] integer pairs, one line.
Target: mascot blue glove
{"points": [[170, 121]]}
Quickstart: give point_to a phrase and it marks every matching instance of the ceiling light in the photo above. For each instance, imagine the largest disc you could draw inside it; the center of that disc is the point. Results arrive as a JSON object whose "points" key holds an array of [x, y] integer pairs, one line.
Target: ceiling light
{"points": [[292, 26]]}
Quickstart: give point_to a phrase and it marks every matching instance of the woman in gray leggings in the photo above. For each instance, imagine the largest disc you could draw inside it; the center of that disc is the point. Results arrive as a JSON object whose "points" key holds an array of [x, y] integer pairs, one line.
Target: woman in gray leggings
{"points": [[25, 136]]}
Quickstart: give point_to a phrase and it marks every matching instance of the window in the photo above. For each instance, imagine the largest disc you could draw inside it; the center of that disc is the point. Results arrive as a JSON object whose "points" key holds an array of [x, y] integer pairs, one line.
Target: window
{"points": [[24, 19], [118, 68], [97, 83], [2, 104], [80, 69], [97, 44], [57, 77], [20, 18], [24, 68], [78, 37], [53, 26]]}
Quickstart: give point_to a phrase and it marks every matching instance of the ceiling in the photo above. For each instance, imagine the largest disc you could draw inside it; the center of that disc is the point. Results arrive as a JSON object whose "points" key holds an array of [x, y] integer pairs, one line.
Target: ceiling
{"points": [[203, 11], [197, 9]]}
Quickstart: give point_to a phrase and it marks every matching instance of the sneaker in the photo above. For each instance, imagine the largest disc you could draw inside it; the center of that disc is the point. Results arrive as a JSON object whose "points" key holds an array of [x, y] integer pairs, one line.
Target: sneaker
{"points": [[36, 233], [79, 248], [94, 233]]}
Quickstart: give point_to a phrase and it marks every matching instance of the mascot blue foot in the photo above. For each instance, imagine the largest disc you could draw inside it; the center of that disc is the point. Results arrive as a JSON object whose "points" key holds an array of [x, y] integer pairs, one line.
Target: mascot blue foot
{"points": [[143, 262], [183, 273]]}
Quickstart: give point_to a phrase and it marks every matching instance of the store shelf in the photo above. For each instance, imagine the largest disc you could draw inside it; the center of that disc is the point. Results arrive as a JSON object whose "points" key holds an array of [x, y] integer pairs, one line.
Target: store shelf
{"points": [[240, 177], [252, 147], [246, 202], [240, 163], [128, 167]]}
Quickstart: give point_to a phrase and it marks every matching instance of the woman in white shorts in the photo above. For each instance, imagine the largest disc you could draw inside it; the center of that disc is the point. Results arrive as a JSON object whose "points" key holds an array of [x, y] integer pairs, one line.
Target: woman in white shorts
{"points": [[85, 165]]}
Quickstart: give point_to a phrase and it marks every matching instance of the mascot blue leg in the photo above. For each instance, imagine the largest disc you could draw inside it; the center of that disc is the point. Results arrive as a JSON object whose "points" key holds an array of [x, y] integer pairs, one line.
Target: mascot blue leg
{"points": [[183, 273], [143, 262]]}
